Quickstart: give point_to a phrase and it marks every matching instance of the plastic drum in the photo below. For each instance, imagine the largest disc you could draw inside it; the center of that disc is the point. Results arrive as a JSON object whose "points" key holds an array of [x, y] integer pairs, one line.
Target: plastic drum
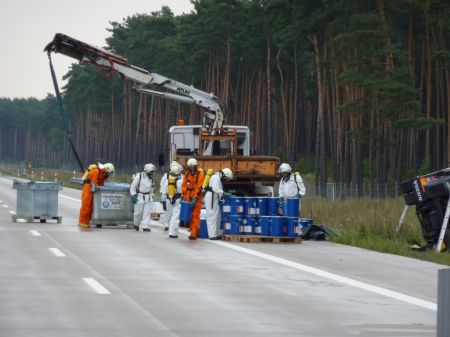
{"points": [[292, 226], [235, 224], [248, 225], [251, 206], [185, 212], [304, 225], [237, 206], [272, 206], [291, 207], [203, 231], [264, 225], [225, 208], [262, 206], [226, 226], [276, 226]]}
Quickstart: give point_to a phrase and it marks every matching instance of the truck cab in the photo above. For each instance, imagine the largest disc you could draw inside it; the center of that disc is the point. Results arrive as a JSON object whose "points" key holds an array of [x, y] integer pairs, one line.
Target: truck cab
{"points": [[184, 140]]}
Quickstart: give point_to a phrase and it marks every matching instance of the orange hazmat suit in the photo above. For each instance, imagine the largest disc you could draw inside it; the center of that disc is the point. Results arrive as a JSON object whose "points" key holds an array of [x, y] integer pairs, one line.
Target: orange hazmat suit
{"points": [[95, 175], [192, 188]]}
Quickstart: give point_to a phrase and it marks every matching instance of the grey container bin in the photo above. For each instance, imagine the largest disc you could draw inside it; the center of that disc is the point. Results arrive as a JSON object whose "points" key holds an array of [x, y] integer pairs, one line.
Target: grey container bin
{"points": [[112, 205], [36, 200]]}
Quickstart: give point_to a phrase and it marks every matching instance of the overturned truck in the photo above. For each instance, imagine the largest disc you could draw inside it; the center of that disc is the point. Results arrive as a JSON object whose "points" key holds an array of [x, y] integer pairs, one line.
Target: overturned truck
{"points": [[430, 194]]}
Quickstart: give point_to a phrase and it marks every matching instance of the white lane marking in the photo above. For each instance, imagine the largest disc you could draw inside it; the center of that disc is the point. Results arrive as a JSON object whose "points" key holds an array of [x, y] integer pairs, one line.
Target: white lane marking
{"points": [[334, 277], [12, 212], [69, 198], [35, 233], [96, 286], [6, 206], [57, 252]]}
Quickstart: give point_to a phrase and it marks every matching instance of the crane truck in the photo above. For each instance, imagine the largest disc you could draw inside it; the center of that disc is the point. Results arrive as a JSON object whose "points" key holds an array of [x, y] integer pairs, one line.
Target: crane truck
{"points": [[213, 144]]}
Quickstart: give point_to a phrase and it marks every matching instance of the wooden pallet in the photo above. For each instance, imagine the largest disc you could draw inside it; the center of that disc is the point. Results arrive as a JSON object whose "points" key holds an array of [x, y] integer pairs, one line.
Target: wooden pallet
{"points": [[42, 219], [259, 239]]}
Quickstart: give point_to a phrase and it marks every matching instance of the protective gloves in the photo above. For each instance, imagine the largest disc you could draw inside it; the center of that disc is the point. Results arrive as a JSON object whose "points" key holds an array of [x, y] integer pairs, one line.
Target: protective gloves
{"points": [[164, 204], [194, 201], [280, 201], [227, 194], [134, 199]]}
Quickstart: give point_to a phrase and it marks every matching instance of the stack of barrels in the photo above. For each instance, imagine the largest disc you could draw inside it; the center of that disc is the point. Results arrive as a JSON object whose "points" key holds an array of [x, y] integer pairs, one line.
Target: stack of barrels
{"points": [[262, 216]]}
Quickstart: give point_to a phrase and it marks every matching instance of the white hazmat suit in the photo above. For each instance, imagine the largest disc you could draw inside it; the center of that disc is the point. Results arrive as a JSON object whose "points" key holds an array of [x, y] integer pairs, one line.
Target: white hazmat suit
{"points": [[213, 194], [163, 185], [292, 187], [142, 186], [174, 206]]}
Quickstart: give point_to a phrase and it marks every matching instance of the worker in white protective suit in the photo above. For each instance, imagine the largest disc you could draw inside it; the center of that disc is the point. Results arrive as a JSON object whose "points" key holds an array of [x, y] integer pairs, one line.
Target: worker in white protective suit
{"points": [[174, 189], [163, 186], [141, 191], [214, 193], [291, 184]]}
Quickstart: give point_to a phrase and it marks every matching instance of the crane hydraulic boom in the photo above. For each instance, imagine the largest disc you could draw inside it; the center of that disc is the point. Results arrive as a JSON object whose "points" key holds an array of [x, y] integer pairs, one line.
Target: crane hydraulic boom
{"points": [[86, 53]]}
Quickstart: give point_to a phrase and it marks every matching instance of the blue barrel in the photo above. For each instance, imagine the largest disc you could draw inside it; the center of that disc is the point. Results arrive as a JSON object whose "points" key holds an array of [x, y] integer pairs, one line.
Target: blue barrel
{"points": [[291, 207], [235, 224], [304, 225], [250, 206], [203, 231], [292, 226], [262, 206], [237, 206], [226, 226], [277, 226], [185, 212], [264, 224], [225, 208], [272, 206], [249, 225]]}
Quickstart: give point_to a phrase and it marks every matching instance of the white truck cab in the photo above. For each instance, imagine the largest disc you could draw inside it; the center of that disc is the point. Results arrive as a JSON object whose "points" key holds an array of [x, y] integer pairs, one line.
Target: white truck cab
{"points": [[184, 140]]}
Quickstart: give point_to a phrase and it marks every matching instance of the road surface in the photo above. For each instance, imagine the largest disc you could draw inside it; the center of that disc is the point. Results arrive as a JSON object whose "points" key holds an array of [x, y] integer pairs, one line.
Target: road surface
{"points": [[60, 281]]}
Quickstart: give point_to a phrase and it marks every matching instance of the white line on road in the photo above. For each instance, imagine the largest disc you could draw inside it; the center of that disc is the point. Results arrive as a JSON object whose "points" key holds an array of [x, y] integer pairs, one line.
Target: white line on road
{"points": [[35, 233], [12, 212], [334, 277], [6, 206], [70, 198], [96, 286], [57, 252]]}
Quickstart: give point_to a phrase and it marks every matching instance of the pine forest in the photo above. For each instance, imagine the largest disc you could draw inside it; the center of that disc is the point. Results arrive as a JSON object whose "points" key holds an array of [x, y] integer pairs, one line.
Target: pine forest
{"points": [[350, 91]]}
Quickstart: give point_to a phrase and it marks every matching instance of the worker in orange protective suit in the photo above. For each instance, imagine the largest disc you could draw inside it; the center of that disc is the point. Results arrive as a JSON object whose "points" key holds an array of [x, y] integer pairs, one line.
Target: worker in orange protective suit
{"points": [[95, 174], [192, 192]]}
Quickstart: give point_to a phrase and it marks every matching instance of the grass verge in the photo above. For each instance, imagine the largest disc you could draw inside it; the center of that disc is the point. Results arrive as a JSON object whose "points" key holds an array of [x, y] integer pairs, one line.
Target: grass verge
{"points": [[371, 223]]}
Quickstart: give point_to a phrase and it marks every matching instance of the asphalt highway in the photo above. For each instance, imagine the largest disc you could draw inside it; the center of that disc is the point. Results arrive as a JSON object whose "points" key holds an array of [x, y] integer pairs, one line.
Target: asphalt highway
{"points": [[59, 281]]}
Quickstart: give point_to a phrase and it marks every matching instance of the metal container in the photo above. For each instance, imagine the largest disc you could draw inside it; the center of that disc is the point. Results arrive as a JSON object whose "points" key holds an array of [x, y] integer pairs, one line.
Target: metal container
{"points": [[112, 205], [37, 200]]}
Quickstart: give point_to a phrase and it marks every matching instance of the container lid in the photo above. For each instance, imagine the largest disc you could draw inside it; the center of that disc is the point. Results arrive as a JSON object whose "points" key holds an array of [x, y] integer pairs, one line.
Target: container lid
{"points": [[25, 184]]}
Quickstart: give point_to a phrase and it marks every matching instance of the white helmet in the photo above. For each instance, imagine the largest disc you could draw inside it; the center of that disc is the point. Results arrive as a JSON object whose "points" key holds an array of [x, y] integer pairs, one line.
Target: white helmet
{"points": [[285, 168], [227, 173], [149, 168], [109, 168], [192, 162], [175, 168]]}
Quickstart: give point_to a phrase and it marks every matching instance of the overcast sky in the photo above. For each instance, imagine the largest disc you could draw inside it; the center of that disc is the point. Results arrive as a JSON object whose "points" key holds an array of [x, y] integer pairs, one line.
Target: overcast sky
{"points": [[26, 26]]}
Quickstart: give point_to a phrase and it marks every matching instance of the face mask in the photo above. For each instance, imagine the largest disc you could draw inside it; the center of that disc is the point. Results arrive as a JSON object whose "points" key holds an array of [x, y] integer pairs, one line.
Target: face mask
{"points": [[150, 174], [192, 169]]}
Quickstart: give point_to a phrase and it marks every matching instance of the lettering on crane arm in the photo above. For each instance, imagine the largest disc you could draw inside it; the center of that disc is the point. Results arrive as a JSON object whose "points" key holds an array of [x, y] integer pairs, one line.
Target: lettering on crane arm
{"points": [[184, 91], [417, 188]]}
